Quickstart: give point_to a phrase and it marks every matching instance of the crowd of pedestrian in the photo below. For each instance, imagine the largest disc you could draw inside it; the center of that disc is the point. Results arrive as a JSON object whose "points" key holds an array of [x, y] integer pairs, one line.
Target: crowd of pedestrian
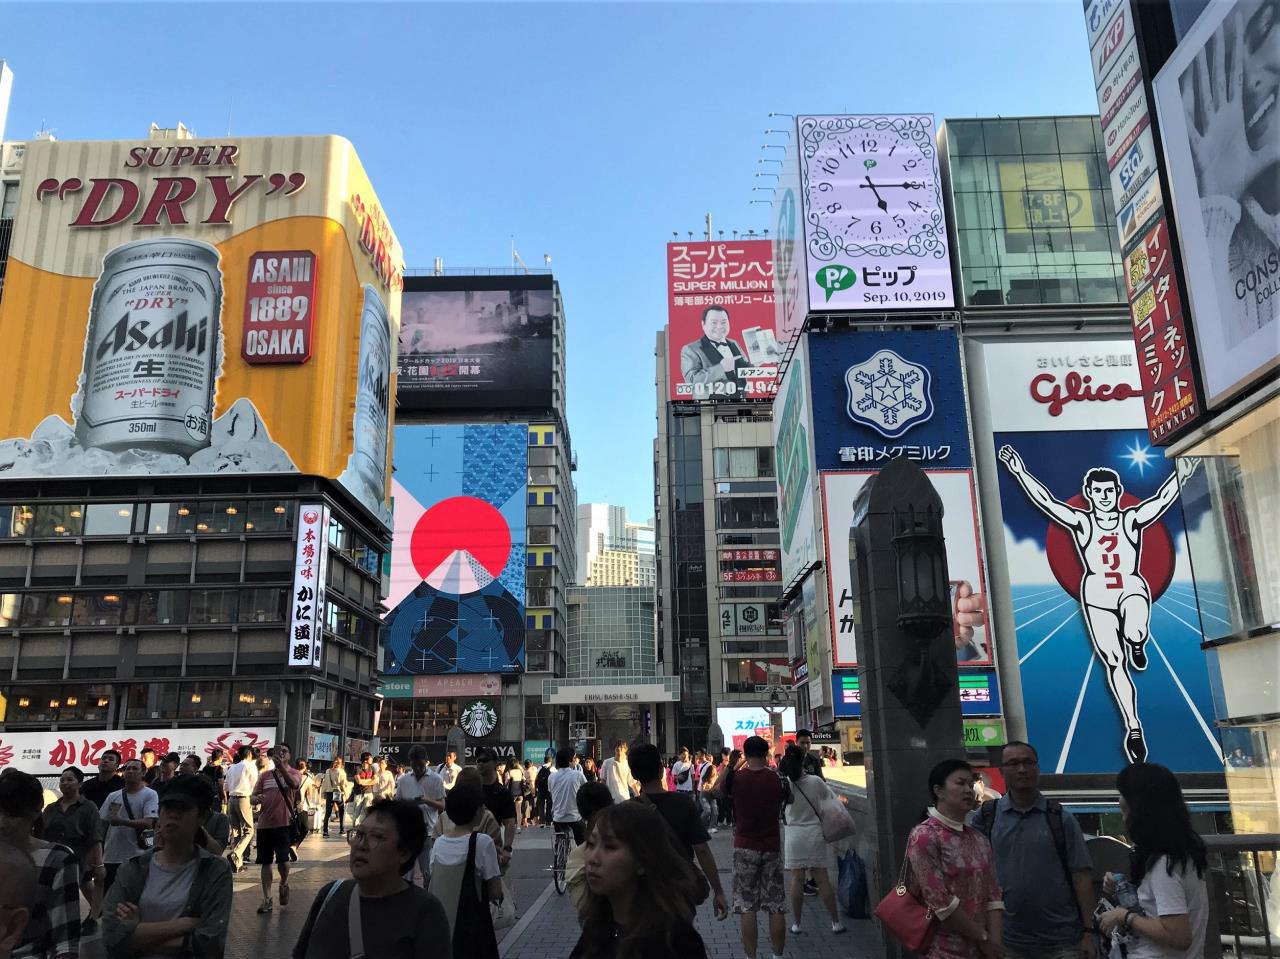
{"points": [[143, 853]]}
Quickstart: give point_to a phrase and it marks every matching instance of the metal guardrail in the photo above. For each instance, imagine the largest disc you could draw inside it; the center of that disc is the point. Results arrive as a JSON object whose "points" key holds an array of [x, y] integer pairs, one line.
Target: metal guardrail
{"points": [[1244, 896], [480, 271]]}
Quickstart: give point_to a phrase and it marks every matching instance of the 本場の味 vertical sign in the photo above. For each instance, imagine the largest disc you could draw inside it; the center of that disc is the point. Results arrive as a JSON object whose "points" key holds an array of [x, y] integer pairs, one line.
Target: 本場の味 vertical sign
{"points": [[279, 302], [306, 602]]}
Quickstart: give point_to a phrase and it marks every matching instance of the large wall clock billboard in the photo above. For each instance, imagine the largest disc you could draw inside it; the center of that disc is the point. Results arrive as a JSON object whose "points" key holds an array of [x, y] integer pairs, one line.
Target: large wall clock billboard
{"points": [[875, 236]]}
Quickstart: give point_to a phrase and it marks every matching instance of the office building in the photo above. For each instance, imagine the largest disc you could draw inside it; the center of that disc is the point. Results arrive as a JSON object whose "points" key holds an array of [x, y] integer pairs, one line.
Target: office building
{"points": [[486, 512], [612, 550]]}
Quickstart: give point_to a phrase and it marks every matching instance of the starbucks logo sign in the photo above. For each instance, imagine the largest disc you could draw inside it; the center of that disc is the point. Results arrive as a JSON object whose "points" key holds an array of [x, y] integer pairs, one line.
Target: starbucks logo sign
{"points": [[479, 718]]}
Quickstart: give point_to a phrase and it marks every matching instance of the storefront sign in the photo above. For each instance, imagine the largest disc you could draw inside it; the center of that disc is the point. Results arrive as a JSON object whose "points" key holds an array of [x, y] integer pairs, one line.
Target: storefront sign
{"points": [[980, 733], [505, 752], [634, 693], [321, 746], [453, 686], [47, 753], [310, 568], [479, 718], [742, 619]]}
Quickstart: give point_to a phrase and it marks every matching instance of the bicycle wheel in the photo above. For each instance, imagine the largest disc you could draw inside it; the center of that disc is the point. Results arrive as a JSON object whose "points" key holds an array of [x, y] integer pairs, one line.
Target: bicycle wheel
{"points": [[558, 866]]}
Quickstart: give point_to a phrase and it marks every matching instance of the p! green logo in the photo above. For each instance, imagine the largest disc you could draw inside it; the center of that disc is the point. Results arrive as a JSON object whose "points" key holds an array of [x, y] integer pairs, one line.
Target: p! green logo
{"points": [[833, 278]]}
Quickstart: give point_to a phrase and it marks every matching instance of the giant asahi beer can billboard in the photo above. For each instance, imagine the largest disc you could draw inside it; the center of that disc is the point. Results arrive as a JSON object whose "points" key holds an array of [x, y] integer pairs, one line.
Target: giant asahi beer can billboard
{"points": [[200, 307]]}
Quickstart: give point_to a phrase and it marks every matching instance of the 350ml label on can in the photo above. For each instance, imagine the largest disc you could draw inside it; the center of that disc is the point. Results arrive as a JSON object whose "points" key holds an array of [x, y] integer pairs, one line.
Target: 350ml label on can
{"points": [[151, 356], [279, 303]]}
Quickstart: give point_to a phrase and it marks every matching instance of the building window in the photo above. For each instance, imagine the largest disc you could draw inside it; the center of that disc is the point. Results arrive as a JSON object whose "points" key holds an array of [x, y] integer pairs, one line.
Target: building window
{"points": [[59, 520], [269, 516], [158, 607], [47, 609], [203, 700], [153, 701], [748, 512], [257, 700], [262, 605], [213, 606], [98, 609], [108, 519]]}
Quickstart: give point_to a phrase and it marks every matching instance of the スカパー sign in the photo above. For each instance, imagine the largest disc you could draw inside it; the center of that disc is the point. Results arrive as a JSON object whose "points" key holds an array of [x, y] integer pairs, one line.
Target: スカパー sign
{"points": [[200, 308]]}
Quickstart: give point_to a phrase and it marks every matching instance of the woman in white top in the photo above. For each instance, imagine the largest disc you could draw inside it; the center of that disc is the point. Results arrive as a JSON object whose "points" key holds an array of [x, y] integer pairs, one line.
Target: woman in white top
{"points": [[803, 847], [1167, 865], [465, 876]]}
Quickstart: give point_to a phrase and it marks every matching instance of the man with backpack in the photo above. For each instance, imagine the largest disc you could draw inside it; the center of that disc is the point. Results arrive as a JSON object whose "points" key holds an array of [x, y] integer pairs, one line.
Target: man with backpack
{"points": [[1042, 864]]}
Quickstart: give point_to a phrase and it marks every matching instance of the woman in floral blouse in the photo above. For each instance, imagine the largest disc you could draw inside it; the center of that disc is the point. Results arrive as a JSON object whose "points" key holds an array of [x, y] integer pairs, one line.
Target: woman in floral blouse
{"points": [[950, 869]]}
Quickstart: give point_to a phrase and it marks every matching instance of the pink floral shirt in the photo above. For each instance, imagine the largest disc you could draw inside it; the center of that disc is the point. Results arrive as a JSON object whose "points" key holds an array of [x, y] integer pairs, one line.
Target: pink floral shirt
{"points": [[952, 869]]}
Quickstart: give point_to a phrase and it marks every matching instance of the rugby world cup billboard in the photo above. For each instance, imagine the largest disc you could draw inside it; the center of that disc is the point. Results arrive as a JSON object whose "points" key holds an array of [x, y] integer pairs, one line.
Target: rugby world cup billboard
{"points": [[200, 307]]}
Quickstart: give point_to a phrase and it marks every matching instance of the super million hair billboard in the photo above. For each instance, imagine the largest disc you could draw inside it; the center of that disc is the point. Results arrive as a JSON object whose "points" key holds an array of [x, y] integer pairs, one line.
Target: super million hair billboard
{"points": [[197, 307]]}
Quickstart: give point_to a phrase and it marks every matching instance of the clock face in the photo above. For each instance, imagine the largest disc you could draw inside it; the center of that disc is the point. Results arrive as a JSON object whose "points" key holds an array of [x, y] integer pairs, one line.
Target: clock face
{"points": [[874, 234], [871, 184]]}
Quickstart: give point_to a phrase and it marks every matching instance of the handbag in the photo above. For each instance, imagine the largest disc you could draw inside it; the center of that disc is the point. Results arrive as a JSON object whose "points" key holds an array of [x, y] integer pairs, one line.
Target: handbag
{"points": [[908, 920], [504, 913], [833, 818], [297, 827], [146, 838]]}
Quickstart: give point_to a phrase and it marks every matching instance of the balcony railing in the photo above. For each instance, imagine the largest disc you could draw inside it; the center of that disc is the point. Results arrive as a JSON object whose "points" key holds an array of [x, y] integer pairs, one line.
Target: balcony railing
{"points": [[1244, 897]]}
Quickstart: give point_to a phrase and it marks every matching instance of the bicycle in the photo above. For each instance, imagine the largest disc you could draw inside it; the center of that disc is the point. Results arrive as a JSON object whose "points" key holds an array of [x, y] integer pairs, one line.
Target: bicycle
{"points": [[559, 859]]}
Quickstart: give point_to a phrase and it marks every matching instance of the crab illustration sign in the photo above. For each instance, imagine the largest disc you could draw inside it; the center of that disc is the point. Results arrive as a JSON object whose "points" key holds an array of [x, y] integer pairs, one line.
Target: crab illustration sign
{"points": [[478, 719], [888, 393]]}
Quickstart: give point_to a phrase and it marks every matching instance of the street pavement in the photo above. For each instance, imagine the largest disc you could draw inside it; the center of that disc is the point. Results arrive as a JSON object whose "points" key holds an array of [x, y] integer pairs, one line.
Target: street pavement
{"points": [[547, 928]]}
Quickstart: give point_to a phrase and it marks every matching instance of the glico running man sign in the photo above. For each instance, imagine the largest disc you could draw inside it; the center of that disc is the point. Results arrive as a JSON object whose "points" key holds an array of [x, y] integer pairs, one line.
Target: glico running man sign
{"points": [[201, 307]]}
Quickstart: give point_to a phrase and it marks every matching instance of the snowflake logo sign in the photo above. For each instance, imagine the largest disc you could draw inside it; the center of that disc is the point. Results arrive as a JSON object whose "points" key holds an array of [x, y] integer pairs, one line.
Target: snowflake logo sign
{"points": [[888, 393]]}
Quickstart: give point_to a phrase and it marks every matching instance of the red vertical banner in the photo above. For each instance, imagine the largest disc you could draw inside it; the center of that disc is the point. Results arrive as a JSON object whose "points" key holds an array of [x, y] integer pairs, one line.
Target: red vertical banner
{"points": [[721, 338], [279, 303], [1165, 360]]}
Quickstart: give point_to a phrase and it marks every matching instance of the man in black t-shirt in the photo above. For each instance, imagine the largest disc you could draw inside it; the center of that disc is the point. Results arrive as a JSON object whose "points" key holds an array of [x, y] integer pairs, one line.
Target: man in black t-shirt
{"points": [[108, 781], [498, 800], [688, 834]]}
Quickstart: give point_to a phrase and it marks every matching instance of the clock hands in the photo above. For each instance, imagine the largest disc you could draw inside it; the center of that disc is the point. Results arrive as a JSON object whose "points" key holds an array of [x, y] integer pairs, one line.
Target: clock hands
{"points": [[908, 185], [879, 199]]}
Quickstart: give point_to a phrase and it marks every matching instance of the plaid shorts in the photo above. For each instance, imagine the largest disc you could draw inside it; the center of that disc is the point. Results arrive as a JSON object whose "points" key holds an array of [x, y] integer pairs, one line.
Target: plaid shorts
{"points": [[757, 882]]}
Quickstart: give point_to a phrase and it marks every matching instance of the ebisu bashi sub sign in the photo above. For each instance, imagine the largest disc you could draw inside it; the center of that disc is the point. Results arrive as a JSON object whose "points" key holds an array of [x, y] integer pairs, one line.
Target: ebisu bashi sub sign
{"points": [[203, 307]]}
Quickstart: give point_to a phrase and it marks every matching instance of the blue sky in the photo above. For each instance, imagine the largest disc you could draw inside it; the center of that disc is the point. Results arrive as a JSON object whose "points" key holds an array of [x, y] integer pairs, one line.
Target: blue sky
{"points": [[590, 132]]}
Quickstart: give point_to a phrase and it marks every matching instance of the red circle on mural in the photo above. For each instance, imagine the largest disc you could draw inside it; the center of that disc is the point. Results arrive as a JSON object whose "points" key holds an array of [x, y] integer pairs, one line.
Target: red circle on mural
{"points": [[1155, 561], [460, 524]]}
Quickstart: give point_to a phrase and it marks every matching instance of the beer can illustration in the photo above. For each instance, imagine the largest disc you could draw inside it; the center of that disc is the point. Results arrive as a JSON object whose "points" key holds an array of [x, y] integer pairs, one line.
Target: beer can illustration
{"points": [[373, 400], [153, 349]]}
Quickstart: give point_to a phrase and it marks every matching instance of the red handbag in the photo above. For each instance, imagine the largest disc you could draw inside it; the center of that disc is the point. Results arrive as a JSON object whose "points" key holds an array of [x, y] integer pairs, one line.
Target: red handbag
{"points": [[909, 920]]}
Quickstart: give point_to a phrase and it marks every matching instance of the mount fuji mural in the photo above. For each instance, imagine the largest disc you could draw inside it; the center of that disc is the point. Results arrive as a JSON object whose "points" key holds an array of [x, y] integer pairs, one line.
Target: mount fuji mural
{"points": [[458, 557]]}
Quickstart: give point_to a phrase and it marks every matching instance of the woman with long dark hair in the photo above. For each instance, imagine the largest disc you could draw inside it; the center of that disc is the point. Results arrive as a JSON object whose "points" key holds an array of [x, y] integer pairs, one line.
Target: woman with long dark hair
{"points": [[951, 870], [1167, 866], [639, 890], [804, 850]]}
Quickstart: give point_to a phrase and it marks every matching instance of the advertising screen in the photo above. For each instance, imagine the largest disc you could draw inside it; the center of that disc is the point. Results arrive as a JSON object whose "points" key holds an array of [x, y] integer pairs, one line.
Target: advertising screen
{"points": [[979, 695], [875, 235], [740, 723], [721, 339], [965, 568], [1103, 605], [793, 459], [200, 307], [458, 553], [476, 343], [1223, 158]]}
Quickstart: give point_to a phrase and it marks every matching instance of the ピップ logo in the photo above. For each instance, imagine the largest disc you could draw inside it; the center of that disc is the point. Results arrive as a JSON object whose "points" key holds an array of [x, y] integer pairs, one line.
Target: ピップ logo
{"points": [[888, 393]]}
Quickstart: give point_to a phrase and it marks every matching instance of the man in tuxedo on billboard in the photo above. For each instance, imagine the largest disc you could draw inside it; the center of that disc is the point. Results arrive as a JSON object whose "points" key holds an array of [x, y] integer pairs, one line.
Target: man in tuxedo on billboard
{"points": [[713, 357]]}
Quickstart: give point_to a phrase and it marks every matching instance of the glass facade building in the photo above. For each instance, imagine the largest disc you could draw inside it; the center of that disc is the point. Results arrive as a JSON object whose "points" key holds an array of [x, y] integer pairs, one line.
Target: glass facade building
{"points": [[611, 633], [1031, 213]]}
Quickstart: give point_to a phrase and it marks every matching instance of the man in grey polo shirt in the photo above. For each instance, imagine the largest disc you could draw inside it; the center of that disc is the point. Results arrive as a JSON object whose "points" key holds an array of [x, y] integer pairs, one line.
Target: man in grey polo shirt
{"points": [[1042, 865]]}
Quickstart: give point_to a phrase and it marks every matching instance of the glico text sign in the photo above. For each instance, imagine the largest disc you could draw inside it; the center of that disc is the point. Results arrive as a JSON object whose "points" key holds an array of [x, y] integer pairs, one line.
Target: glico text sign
{"points": [[199, 307]]}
